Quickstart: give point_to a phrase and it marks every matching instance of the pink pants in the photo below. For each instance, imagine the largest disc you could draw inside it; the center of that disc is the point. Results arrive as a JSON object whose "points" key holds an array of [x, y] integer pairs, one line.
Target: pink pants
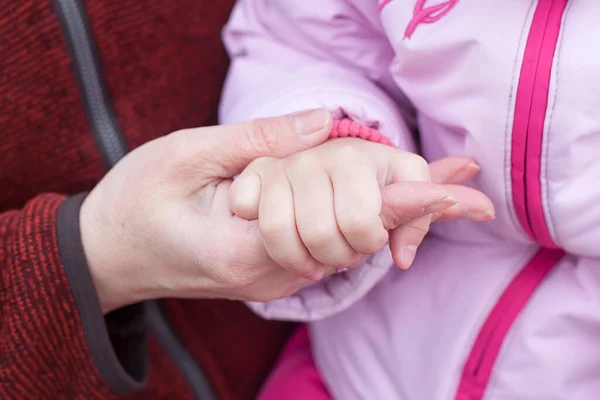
{"points": [[295, 376]]}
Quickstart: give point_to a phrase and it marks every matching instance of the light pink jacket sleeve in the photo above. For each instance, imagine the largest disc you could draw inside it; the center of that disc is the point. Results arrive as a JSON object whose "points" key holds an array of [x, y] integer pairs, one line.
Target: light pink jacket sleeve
{"points": [[290, 55]]}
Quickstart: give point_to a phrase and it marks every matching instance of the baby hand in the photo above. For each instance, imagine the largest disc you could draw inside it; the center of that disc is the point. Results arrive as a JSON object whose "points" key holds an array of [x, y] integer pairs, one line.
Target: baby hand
{"points": [[333, 204]]}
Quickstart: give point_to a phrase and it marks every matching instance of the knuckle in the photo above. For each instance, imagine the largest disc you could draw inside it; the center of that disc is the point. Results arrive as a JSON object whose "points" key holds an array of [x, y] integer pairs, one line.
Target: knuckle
{"points": [[301, 160], [355, 223], [417, 160], [272, 227], [239, 203], [371, 236], [373, 244], [301, 267], [344, 261], [296, 263], [180, 153], [179, 148], [262, 136], [238, 198], [319, 236], [419, 163], [261, 163], [348, 153], [419, 231]]}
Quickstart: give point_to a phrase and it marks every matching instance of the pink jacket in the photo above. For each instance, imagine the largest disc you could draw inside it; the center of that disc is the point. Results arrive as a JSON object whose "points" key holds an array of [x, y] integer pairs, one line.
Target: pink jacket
{"points": [[508, 309]]}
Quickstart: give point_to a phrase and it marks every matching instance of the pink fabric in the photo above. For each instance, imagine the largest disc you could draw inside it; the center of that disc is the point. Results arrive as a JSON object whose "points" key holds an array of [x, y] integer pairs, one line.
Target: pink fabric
{"points": [[428, 15], [295, 377], [530, 116], [483, 312], [479, 365], [382, 4]]}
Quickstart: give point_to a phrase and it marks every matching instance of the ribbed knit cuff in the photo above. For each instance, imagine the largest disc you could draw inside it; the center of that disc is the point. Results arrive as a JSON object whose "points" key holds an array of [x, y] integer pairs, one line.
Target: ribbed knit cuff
{"points": [[347, 128]]}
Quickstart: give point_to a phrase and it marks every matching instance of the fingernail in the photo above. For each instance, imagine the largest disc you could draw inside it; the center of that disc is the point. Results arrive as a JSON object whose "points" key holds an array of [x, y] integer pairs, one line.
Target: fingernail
{"points": [[311, 121], [474, 166], [440, 205], [317, 274], [408, 256], [484, 215], [467, 172]]}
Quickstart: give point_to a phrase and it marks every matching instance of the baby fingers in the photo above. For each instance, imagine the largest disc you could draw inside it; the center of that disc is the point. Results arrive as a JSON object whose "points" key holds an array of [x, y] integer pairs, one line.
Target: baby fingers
{"points": [[276, 216], [244, 194], [358, 207], [407, 212], [316, 218], [471, 204], [405, 240]]}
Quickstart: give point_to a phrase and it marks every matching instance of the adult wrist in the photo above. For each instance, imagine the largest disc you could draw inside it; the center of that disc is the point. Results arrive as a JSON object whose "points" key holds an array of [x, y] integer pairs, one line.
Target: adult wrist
{"points": [[117, 342], [100, 253]]}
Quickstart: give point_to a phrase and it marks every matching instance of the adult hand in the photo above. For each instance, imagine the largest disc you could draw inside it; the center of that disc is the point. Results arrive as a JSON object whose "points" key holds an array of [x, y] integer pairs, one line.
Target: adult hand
{"points": [[159, 224]]}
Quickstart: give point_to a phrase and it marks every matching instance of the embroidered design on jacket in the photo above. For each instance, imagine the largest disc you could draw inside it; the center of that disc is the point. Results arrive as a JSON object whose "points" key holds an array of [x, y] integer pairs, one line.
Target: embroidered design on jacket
{"points": [[423, 14]]}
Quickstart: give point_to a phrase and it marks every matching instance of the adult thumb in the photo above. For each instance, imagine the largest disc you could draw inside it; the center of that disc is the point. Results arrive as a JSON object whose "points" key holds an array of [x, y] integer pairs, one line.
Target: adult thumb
{"points": [[230, 148]]}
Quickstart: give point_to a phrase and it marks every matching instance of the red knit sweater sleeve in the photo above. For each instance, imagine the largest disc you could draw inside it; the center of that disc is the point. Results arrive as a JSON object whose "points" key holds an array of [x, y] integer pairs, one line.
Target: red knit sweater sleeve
{"points": [[44, 330]]}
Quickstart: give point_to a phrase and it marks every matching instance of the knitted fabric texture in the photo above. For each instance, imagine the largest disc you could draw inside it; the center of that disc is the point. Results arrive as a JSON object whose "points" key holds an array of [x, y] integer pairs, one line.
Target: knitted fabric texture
{"points": [[347, 128]]}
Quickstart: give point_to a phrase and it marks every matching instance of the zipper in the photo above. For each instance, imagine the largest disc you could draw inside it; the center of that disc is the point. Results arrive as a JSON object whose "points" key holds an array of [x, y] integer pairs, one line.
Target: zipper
{"points": [[479, 365], [111, 144], [98, 108], [529, 118], [526, 166]]}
